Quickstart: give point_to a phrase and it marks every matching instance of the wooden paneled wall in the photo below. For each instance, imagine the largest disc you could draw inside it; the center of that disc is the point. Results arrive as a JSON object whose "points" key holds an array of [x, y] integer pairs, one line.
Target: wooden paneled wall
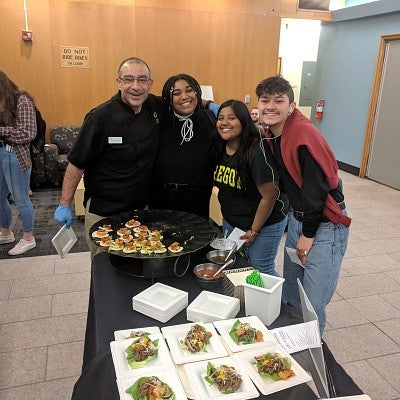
{"points": [[229, 44]]}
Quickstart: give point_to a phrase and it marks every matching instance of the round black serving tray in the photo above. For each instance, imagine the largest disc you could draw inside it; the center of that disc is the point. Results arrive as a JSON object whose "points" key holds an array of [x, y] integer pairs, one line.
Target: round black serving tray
{"points": [[191, 231]]}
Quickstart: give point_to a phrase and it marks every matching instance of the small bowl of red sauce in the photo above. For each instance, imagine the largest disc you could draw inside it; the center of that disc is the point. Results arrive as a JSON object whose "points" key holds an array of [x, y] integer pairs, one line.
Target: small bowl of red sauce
{"points": [[204, 274]]}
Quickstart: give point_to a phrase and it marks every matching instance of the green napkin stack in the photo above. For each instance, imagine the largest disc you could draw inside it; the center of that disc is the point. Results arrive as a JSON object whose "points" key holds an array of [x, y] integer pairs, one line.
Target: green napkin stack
{"points": [[254, 278]]}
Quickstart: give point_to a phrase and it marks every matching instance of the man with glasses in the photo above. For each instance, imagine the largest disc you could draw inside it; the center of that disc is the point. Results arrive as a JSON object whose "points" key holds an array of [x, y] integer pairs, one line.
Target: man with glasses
{"points": [[115, 151]]}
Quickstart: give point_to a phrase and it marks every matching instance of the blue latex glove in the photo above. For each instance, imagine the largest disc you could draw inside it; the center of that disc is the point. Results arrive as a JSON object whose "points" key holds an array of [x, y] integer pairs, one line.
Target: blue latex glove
{"points": [[63, 215]]}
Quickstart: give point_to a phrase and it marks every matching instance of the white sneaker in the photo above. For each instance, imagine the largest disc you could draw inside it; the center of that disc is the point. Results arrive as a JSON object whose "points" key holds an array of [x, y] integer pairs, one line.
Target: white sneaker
{"points": [[22, 247], [7, 239]]}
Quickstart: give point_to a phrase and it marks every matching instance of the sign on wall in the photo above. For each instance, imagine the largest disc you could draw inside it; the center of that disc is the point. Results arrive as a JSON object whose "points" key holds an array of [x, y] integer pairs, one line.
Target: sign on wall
{"points": [[313, 5], [74, 56]]}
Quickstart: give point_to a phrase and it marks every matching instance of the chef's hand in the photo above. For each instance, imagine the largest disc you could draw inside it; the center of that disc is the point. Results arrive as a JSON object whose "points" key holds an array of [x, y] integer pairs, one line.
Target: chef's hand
{"points": [[63, 215], [304, 247]]}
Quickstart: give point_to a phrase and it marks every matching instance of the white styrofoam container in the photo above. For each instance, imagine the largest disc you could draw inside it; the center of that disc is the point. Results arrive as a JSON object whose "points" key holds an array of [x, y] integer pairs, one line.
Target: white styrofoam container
{"points": [[160, 301], [265, 302], [210, 306]]}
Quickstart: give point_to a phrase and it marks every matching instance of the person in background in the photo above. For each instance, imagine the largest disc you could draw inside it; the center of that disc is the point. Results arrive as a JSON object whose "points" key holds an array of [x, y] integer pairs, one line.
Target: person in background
{"points": [[318, 228], [183, 169], [248, 184], [17, 130], [115, 150], [254, 115]]}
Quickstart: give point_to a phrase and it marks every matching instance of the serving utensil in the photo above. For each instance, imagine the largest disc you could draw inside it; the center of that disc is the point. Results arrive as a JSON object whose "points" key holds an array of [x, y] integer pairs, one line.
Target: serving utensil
{"points": [[233, 249], [223, 267]]}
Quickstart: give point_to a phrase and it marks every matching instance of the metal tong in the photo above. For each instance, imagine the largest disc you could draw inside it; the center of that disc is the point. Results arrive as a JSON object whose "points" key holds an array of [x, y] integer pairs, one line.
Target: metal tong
{"points": [[233, 249], [223, 267]]}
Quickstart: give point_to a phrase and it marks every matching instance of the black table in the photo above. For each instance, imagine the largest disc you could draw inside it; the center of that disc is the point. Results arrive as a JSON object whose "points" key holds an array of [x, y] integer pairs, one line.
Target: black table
{"points": [[110, 309]]}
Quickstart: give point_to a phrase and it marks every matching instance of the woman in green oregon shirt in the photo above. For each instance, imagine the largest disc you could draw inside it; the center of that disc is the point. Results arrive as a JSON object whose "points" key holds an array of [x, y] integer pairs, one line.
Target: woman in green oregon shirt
{"points": [[248, 184]]}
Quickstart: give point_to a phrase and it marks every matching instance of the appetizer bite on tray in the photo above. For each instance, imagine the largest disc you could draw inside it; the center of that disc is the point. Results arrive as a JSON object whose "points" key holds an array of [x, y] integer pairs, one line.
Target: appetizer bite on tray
{"points": [[175, 247], [133, 237]]}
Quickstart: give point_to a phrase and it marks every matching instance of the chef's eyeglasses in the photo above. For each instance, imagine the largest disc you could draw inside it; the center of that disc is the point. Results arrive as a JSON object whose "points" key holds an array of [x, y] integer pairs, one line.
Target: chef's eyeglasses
{"points": [[129, 79]]}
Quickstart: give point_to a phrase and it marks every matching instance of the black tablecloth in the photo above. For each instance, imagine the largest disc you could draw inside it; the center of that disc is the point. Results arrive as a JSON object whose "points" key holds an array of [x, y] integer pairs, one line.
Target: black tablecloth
{"points": [[110, 309]]}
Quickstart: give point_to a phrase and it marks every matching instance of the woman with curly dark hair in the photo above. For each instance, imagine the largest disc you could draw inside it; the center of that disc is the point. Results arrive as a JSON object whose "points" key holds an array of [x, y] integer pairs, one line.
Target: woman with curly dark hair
{"points": [[183, 169], [248, 184], [17, 130]]}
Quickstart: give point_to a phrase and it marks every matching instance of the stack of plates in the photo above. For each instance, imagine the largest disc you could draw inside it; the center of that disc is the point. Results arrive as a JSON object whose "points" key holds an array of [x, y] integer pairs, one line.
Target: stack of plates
{"points": [[210, 306], [161, 302]]}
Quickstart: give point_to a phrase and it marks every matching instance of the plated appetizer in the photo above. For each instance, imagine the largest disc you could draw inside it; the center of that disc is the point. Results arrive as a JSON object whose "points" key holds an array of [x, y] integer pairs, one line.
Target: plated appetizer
{"points": [[132, 223], [196, 339], [274, 366], [244, 333], [141, 229], [175, 247], [105, 241], [123, 231], [225, 377], [131, 247], [106, 227], [100, 233], [155, 234], [141, 351], [117, 244], [150, 388]]}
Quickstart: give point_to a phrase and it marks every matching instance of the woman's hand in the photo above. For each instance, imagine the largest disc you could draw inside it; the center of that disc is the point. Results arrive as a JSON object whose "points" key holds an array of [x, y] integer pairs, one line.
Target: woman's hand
{"points": [[269, 193], [304, 247], [249, 237]]}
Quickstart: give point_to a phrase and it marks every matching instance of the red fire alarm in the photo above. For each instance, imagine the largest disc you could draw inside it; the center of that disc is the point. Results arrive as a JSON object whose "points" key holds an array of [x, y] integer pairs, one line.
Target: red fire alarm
{"points": [[27, 36]]}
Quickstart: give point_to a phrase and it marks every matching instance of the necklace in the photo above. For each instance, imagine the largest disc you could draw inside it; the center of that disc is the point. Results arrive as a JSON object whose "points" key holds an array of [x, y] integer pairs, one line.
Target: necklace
{"points": [[273, 136], [187, 127]]}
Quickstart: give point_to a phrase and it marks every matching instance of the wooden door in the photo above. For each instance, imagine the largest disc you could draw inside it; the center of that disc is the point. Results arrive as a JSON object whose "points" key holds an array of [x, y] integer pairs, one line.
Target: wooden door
{"points": [[381, 158]]}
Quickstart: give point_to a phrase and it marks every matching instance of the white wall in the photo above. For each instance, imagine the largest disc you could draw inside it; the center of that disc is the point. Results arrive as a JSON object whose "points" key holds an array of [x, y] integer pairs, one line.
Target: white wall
{"points": [[298, 42]]}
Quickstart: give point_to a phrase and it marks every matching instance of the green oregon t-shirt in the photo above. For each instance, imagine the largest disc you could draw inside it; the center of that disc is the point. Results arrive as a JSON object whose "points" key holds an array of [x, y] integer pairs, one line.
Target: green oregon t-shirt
{"points": [[238, 207]]}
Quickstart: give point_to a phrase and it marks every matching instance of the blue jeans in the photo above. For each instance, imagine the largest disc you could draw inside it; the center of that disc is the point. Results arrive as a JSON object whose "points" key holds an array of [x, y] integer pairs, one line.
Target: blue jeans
{"points": [[15, 181], [320, 274], [262, 252]]}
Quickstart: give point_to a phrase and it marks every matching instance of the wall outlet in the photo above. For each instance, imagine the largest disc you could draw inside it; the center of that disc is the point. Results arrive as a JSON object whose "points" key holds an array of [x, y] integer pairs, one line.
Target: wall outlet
{"points": [[247, 99]]}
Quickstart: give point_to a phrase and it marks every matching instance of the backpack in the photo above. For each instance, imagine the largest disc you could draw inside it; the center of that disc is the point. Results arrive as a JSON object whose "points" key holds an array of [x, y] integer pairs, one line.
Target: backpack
{"points": [[37, 144]]}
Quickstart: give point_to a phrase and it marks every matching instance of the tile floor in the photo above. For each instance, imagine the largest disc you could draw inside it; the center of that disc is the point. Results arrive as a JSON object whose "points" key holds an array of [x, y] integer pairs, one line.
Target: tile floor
{"points": [[43, 303]]}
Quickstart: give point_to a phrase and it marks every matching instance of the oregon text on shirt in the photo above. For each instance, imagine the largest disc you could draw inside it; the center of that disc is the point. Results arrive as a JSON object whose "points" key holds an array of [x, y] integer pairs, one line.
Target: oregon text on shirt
{"points": [[226, 175]]}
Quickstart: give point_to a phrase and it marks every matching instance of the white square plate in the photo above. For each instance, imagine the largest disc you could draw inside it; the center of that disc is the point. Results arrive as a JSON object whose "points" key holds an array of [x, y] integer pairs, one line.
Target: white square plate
{"points": [[268, 385], [160, 297], [204, 391], [169, 376], [225, 326], [63, 240], [124, 334], [214, 304], [173, 334], [123, 369]]}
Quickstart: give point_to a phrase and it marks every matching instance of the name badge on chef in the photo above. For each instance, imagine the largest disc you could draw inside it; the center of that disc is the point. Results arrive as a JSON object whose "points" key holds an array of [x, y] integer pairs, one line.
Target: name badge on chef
{"points": [[114, 140]]}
